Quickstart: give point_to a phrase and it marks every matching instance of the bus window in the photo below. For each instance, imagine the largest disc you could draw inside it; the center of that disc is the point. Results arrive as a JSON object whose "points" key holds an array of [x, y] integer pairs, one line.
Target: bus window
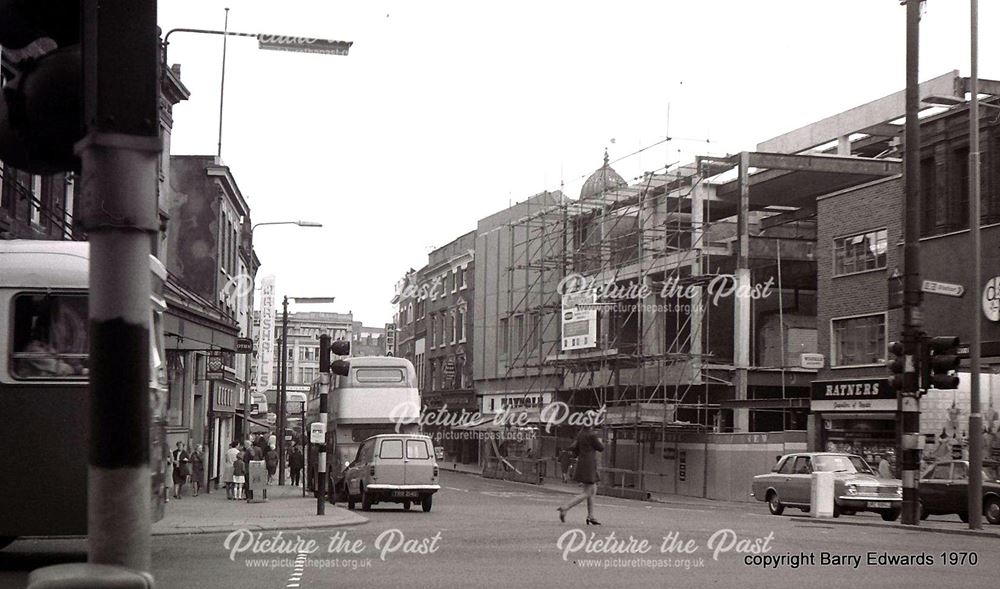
{"points": [[50, 336], [382, 375]]}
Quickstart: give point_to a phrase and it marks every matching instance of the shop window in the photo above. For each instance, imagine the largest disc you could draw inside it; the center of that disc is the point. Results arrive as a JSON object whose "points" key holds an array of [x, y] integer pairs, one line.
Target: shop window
{"points": [[859, 253], [859, 340]]}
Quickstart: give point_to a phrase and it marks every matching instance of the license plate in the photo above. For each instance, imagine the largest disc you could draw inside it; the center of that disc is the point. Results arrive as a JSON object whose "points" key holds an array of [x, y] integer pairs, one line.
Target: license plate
{"points": [[879, 504], [406, 494]]}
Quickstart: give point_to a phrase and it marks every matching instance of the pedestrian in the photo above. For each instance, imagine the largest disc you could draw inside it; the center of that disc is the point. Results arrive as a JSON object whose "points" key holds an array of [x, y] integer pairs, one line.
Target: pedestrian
{"points": [[271, 461], [585, 447], [295, 463], [181, 461], [884, 468], [239, 477], [564, 459], [197, 469], [227, 468], [248, 456]]}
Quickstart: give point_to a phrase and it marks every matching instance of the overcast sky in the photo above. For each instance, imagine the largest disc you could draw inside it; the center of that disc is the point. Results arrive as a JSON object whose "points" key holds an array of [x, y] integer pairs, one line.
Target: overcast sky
{"points": [[445, 112]]}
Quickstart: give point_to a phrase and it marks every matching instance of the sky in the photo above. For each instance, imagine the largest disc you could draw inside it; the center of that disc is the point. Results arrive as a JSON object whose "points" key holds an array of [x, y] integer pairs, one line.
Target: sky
{"points": [[446, 112]]}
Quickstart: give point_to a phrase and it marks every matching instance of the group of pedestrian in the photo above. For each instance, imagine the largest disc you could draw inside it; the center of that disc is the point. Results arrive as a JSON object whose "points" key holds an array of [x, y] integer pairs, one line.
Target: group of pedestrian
{"points": [[186, 468]]}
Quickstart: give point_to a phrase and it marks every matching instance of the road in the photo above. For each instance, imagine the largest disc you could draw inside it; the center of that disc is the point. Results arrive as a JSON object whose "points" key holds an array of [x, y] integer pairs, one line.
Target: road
{"points": [[483, 533]]}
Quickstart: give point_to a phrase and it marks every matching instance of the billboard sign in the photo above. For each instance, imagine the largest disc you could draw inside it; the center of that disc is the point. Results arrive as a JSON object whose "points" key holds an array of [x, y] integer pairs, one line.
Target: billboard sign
{"points": [[579, 320], [265, 336]]}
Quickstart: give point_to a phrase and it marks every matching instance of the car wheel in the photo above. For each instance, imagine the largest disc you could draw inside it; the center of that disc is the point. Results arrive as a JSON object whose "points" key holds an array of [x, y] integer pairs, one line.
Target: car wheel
{"points": [[890, 515], [6, 540], [366, 500], [425, 502], [920, 510], [991, 508], [774, 504], [964, 517], [406, 505], [332, 490]]}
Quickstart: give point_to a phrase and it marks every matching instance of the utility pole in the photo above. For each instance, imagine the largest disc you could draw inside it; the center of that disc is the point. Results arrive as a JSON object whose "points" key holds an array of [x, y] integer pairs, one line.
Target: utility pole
{"points": [[908, 401], [281, 391], [975, 507]]}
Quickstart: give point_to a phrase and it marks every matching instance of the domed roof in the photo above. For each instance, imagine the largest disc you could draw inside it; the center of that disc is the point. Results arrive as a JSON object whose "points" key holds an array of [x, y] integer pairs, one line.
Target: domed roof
{"points": [[603, 179]]}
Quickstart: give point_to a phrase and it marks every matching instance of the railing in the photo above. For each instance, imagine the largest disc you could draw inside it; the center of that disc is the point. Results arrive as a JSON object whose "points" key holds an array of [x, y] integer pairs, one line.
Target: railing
{"points": [[525, 470]]}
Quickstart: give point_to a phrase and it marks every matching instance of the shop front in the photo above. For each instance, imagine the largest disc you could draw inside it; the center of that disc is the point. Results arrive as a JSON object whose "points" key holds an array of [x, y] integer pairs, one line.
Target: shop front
{"points": [[857, 416]]}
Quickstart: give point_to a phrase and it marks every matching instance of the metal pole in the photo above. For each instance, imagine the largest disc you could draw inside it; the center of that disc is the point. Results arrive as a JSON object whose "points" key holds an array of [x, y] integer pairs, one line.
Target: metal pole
{"points": [[975, 507], [222, 86], [119, 156], [909, 404], [324, 393], [281, 392]]}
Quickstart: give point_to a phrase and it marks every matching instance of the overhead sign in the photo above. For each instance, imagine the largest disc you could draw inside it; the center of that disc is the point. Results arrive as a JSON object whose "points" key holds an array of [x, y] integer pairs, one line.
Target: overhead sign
{"points": [[244, 345], [943, 288], [265, 335], [317, 432], [991, 299], [811, 361], [579, 320], [303, 44]]}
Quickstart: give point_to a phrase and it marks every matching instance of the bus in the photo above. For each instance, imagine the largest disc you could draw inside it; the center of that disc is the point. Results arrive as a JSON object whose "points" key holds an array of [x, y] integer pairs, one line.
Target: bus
{"points": [[378, 393], [44, 396]]}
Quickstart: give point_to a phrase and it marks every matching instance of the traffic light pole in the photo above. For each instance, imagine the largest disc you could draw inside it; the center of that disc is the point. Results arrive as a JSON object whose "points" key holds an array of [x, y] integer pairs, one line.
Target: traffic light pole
{"points": [[975, 494], [324, 394], [909, 404], [283, 385], [119, 165]]}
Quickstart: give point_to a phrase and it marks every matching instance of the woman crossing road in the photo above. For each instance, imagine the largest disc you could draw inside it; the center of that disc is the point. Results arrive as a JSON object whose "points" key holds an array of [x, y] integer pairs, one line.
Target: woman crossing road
{"points": [[586, 447]]}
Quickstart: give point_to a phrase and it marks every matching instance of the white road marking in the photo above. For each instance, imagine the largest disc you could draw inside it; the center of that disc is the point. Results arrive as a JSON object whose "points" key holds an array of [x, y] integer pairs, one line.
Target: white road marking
{"points": [[296, 576], [457, 489]]}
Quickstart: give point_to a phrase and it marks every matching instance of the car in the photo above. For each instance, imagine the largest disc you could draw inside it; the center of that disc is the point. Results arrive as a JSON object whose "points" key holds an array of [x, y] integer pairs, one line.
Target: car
{"points": [[393, 468], [857, 487], [944, 489]]}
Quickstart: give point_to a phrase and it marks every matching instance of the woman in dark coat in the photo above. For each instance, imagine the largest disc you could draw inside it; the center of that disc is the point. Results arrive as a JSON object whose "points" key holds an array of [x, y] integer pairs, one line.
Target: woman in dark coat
{"points": [[197, 469], [271, 461], [586, 446], [182, 468]]}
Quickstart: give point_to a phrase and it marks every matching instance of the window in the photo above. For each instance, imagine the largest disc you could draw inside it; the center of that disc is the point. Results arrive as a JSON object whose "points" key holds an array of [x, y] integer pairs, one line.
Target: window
{"points": [[533, 332], [378, 375], [432, 330], [461, 277], [391, 449], [518, 335], [802, 465], [417, 450], [504, 337], [50, 336], [859, 340], [859, 253], [441, 326], [36, 200], [451, 327], [941, 472], [460, 324]]}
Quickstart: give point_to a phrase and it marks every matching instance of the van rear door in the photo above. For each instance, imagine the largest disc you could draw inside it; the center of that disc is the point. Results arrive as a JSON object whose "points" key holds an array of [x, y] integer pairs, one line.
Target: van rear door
{"points": [[419, 462], [390, 467]]}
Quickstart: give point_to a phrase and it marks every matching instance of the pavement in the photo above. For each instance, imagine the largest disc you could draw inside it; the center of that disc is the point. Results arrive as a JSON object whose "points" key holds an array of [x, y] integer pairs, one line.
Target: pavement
{"points": [[938, 524], [285, 509]]}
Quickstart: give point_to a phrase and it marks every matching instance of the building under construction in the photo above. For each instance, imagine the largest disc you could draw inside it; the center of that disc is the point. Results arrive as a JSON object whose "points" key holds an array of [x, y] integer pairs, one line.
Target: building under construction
{"points": [[695, 324]]}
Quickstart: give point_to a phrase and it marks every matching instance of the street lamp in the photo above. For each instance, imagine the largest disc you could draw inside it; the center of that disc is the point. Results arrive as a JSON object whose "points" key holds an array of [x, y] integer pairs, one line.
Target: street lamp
{"points": [[283, 382], [246, 380]]}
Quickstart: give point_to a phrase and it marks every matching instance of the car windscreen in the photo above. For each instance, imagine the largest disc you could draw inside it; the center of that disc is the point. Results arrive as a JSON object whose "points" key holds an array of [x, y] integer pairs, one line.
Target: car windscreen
{"points": [[841, 464]]}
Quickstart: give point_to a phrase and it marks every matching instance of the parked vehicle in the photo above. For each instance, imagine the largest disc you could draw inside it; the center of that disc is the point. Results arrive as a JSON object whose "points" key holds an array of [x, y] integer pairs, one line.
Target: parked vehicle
{"points": [[944, 490], [393, 468], [857, 487]]}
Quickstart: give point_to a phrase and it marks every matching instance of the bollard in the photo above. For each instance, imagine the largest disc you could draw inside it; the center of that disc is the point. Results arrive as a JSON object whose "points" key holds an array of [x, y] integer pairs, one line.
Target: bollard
{"points": [[821, 494]]}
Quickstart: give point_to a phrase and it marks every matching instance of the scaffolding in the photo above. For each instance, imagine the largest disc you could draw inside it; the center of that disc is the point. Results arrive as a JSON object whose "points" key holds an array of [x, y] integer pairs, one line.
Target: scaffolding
{"points": [[650, 368]]}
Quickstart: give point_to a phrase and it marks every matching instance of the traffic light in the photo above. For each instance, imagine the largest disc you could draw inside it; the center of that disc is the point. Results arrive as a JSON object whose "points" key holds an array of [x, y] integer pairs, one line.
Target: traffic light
{"points": [[341, 348], [41, 104], [897, 366], [939, 359]]}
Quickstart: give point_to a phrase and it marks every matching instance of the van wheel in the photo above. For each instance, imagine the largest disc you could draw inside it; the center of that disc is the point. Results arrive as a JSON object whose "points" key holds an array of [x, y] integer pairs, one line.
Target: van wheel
{"points": [[6, 540], [406, 505], [425, 502], [964, 517], [890, 515], [366, 500]]}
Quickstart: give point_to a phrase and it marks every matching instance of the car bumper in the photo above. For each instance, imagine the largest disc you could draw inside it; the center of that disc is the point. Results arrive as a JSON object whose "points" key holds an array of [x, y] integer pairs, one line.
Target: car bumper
{"points": [[420, 488], [864, 503]]}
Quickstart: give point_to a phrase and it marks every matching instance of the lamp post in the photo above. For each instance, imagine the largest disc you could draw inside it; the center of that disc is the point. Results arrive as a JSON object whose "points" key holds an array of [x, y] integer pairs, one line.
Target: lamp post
{"points": [[246, 380], [283, 376]]}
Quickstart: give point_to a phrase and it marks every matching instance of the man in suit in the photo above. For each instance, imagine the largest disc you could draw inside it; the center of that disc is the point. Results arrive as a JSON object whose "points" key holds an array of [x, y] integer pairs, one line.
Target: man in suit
{"points": [[586, 447]]}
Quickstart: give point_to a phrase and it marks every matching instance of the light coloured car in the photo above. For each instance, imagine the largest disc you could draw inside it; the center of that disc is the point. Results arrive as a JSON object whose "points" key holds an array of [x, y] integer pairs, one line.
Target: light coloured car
{"points": [[857, 487], [393, 468]]}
